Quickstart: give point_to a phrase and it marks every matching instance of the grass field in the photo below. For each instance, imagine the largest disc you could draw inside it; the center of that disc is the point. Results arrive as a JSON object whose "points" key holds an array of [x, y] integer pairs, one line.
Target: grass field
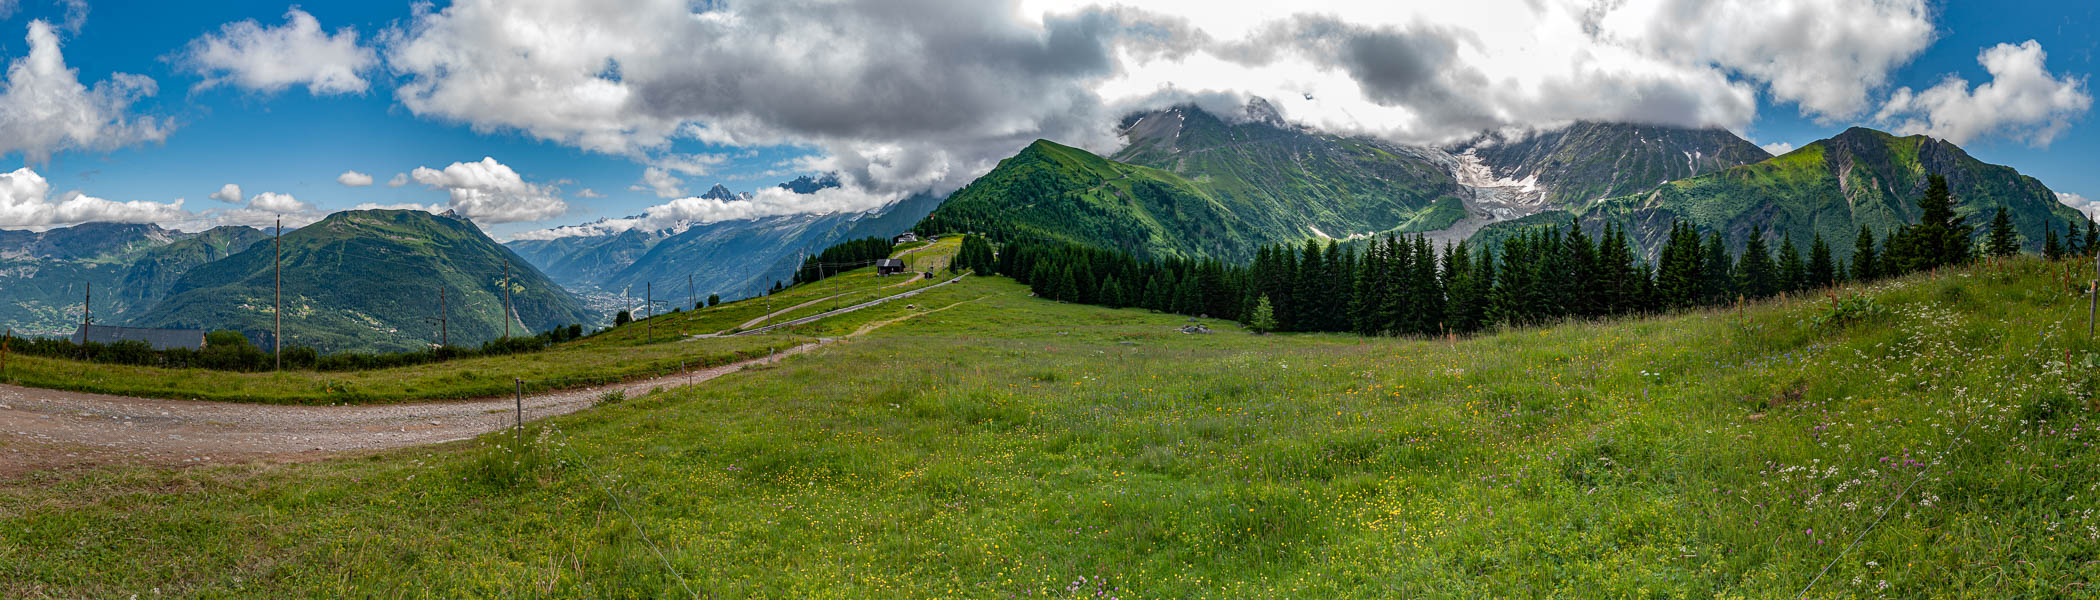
{"points": [[986, 444], [645, 348], [722, 318]]}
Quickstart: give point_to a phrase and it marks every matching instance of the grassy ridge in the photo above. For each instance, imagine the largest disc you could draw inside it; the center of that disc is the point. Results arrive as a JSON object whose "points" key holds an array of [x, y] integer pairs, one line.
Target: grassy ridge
{"points": [[1010, 446]]}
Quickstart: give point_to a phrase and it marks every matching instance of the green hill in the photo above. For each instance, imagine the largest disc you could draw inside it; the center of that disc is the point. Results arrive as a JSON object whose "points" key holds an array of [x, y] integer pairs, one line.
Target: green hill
{"points": [[366, 281], [44, 276], [1830, 187]]}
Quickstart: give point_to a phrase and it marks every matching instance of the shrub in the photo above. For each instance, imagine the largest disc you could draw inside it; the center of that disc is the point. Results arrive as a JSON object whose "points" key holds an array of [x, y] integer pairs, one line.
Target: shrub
{"points": [[1847, 311]]}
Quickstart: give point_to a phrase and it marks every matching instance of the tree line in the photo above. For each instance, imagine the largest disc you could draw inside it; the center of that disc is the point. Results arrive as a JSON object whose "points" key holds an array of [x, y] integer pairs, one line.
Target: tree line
{"points": [[845, 256], [1406, 285], [228, 350]]}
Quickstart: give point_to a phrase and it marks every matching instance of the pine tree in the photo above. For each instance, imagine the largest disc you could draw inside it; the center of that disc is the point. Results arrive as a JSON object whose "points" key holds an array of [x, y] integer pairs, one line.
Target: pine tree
{"points": [[1677, 277], [1865, 266], [2051, 248], [1717, 271], [2092, 238], [1616, 265], [1370, 290], [1111, 294], [1187, 299], [1263, 318], [1428, 305], [1756, 272], [2004, 241], [1310, 290], [2073, 240], [1822, 270], [1793, 273], [1943, 237]]}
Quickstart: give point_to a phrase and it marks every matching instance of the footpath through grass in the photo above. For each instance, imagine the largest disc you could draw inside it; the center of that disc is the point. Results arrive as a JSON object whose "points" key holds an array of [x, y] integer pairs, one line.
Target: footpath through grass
{"points": [[862, 284], [1006, 447]]}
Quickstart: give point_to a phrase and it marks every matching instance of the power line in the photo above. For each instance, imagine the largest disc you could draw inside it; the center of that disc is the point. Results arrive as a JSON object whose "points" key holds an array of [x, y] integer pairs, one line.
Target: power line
{"points": [[1891, 505], [597, 482]]}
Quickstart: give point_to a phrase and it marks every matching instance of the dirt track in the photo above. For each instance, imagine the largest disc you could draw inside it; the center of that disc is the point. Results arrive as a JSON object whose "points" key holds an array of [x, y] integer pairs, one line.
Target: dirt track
{"points": [[42, 428]]}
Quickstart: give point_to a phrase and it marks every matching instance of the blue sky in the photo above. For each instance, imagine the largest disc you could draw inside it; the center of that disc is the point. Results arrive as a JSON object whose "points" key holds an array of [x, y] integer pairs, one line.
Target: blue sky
{"points": [[899, 99]]}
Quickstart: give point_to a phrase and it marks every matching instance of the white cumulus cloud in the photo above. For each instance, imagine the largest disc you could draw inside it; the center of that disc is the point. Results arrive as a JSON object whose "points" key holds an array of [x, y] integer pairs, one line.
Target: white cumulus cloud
{"points": [[2022, 101], [490, 192], [659, 181], [1778, 148], [270, 59], [229, 193], [45, 108], [355, 179], [400, 179], [25, 202], [686, 212], [2084, 205], [905, 96]]}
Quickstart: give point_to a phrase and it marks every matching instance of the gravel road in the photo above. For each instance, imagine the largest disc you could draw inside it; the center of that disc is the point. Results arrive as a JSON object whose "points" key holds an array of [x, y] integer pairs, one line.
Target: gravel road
{"points": [[42, 428]]}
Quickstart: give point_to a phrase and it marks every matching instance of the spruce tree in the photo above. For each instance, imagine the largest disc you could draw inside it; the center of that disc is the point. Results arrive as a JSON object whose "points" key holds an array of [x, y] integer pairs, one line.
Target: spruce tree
{"points": [[1262, 319], [1428, 305], [1370, 290], [2051, 248], [1717, 271], [1942, 237], [1793, 273], [2092, 238], [1677, 277], [2004, 241], [2073, 240], [1822, 270], [1188, 300], [1067, 285], [1111, 293], [1309, 290], [1865, 266], [1616, 265], [1756, 272]]}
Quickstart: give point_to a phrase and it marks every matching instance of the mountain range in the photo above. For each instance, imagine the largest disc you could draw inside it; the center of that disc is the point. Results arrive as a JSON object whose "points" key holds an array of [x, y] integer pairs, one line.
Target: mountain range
{"points": [[1186, 183], [1832, 188], [1191, 184], [732, 258]]}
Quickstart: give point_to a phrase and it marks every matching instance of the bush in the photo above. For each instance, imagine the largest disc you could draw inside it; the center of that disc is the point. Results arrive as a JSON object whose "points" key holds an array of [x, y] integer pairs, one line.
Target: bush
{"points": [[1847, 311]]}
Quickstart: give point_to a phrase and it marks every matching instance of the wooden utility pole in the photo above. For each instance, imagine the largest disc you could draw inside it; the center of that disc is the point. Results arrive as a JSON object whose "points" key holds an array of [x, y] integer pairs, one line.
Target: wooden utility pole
{"points": [[444, 327], [506, 299], [87, 310], [277, 314], [689, 297], [649, 301]]}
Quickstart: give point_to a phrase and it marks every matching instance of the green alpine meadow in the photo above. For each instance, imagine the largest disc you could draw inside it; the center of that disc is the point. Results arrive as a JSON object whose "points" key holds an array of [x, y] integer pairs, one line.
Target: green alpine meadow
{"points": [[1049, 299]]}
